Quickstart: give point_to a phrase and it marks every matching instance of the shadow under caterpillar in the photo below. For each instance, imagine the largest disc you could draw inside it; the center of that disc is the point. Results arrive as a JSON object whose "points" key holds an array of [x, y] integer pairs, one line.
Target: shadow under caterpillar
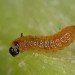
{"points": [[43, 43]]}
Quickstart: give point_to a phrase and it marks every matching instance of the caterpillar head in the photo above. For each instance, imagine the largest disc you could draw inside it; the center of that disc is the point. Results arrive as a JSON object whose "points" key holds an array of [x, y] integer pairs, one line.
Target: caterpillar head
{"points": [[13, 51]]}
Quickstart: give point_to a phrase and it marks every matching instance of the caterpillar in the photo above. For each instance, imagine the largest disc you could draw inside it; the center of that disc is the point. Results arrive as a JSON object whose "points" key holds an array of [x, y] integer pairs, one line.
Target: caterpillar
{"points": [[43, 43]]}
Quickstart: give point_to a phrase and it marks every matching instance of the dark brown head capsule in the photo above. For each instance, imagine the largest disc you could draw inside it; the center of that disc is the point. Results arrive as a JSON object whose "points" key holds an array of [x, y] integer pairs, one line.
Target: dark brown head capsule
{"points": [[13, 51]]}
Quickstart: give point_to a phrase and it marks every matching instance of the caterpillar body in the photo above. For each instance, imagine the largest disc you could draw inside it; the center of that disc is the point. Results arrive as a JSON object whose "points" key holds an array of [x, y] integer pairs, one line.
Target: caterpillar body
{"points": [[43, 43]]}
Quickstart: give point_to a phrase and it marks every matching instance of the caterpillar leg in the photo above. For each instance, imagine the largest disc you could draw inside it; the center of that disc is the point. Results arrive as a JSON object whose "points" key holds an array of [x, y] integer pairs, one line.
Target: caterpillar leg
{"points": [[21, 34]]}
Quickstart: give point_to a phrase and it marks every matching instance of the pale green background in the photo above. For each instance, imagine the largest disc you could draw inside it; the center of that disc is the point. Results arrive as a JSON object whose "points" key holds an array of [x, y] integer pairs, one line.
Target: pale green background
{"points": [[35, 17]]}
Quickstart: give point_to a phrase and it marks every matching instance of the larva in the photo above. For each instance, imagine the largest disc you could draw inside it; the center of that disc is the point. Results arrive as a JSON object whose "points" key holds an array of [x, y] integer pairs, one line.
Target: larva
{"points": [[43, 43]]}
